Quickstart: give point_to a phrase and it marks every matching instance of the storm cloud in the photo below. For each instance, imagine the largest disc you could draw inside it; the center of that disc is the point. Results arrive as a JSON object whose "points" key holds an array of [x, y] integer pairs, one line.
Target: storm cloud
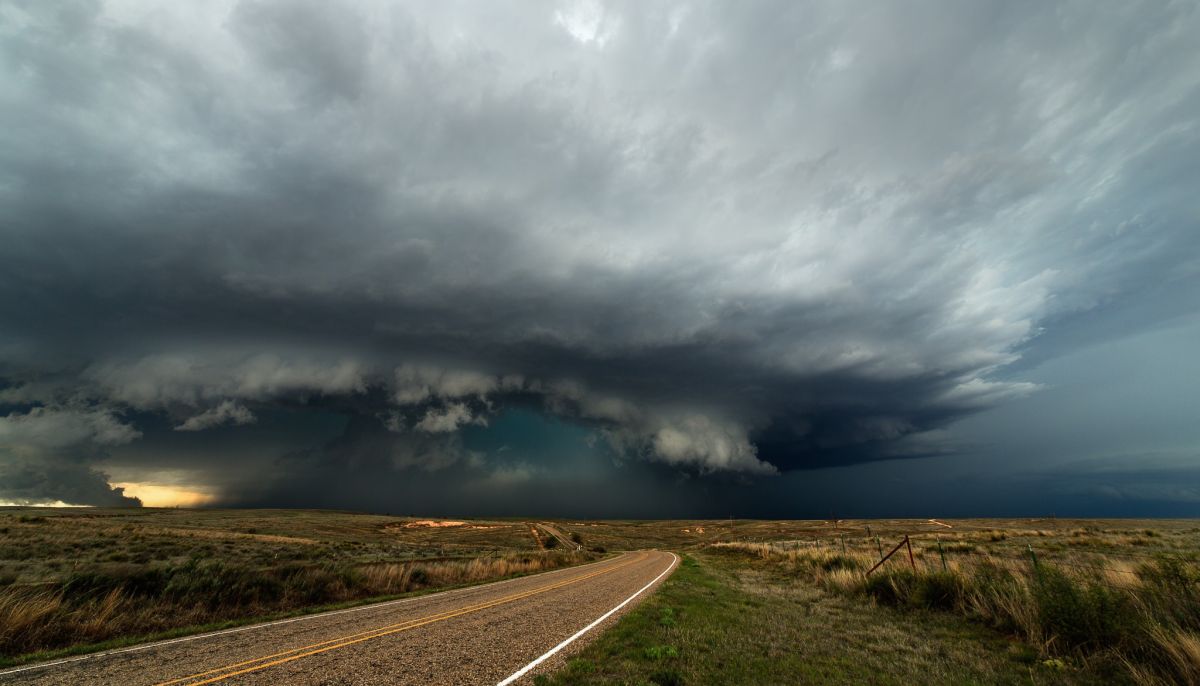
{"points": [[727, 241]]}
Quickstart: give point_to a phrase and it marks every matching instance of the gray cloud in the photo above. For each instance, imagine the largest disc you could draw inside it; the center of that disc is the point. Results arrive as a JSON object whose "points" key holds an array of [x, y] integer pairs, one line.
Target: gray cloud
{"points": [[48, 454], [745, 238], [227, 411]]}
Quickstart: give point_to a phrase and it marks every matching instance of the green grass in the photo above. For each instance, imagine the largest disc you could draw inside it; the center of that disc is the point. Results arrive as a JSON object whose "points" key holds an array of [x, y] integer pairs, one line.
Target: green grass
{"points": [[720, 620]]}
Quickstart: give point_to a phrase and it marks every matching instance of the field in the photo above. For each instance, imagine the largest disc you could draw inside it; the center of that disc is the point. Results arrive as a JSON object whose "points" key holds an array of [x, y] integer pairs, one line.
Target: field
{"points": [[73, 579], [978, 601]]}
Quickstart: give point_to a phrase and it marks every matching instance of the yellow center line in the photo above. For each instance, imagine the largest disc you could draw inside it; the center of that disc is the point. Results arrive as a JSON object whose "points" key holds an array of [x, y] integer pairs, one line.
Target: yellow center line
{"points": [[377, 632]]}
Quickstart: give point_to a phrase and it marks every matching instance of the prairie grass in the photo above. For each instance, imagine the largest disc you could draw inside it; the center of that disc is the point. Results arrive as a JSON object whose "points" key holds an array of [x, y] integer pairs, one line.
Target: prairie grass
{"points": [[726, 619], [101, 603], [1143, 616]]}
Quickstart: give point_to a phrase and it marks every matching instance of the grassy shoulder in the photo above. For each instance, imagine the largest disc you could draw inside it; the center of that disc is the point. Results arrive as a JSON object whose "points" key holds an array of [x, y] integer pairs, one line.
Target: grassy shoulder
{"points": [[723, 620]]}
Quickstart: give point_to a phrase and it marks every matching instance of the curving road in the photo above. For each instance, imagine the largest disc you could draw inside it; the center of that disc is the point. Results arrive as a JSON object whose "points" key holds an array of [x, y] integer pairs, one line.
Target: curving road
{"points": [[501, 632]]}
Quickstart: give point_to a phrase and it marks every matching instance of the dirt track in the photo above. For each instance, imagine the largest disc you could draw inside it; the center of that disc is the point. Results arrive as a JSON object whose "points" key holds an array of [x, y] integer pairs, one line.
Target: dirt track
{"points": [[478, 635]]}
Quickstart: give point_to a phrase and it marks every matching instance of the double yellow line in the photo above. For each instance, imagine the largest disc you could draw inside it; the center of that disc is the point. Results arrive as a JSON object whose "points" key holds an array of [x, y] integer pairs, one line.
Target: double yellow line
{"points": [[266, 661]]}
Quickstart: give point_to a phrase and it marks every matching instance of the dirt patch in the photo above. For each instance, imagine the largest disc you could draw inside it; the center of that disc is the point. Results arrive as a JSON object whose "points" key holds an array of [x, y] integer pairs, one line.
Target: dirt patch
{"points": [[431, 524]]}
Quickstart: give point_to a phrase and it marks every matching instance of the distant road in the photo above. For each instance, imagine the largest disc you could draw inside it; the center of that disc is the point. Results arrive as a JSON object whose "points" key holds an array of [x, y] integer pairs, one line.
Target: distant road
{"points": [[561, 538], [494, 633]]}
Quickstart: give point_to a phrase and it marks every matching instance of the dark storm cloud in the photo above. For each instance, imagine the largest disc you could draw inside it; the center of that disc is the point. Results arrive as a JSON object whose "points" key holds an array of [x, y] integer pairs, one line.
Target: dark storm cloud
{"points": [[744, 238]]}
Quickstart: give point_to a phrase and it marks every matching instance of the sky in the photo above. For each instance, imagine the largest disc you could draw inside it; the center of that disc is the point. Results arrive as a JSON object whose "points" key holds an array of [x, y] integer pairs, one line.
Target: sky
{"points": [[627, 259]]}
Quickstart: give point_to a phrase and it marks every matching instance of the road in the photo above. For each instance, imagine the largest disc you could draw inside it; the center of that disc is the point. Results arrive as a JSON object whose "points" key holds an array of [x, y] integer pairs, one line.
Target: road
{"points": [[570, 545], [484, 634]]}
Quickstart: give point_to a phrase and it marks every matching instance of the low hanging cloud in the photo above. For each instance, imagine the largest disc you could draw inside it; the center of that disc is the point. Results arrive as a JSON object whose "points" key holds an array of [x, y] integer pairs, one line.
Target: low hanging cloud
{"points": [[718, 246], [48, 455]]}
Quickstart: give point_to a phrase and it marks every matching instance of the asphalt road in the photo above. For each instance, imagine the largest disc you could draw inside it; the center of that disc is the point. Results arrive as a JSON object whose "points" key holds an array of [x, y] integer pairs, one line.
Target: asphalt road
{"points": [[479, 635], [568, 543]]}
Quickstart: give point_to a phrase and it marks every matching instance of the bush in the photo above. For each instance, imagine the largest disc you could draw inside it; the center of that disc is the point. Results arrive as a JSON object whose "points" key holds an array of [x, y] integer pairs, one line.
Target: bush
{"points": [[939, 590], [891, 588], [1082, 616]]}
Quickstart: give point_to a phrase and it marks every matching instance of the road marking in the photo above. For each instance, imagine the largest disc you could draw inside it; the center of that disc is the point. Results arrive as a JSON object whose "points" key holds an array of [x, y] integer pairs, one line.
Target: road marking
{"points": [[352, 639], [264, 625], [525, 670]]}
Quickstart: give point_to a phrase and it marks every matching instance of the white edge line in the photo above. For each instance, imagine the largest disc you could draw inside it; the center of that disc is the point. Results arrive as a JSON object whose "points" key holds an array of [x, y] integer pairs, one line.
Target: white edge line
{"points": [[525, 670], [264, 625]]}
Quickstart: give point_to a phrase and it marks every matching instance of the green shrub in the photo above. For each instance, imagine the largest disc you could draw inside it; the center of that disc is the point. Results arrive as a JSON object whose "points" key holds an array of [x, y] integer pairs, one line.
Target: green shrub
{"points": [[890, 588], [1172, 591], [1083, 616], [939, 591]]}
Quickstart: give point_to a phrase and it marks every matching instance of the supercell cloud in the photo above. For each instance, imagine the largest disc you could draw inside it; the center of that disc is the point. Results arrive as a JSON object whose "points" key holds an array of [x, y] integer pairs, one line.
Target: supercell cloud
{"points": [[726, 242]]}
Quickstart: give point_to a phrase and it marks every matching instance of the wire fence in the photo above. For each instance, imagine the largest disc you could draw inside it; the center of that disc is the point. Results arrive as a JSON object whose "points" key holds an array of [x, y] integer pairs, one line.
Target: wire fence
{"points": [[1017, 558]]}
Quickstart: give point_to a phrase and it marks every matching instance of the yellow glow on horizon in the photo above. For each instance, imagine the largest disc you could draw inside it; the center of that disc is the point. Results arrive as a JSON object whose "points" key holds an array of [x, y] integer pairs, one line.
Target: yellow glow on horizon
{"points": [[162, 495]]}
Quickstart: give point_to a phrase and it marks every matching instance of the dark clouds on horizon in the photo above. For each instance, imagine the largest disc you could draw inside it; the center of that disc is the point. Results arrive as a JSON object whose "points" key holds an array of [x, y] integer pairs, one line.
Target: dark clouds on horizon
{"points": [[335, 253]]}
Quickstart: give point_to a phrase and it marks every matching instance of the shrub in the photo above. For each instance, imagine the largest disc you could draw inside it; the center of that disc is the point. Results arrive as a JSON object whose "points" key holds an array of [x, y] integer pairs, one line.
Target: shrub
{"points": [[889, 588], [939, 590], [1085, 616]]}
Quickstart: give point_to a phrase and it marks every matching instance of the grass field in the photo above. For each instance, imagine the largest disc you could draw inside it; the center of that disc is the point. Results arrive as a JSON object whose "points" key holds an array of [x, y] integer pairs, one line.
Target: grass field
{"points": [[979, 601], [71, 578]]}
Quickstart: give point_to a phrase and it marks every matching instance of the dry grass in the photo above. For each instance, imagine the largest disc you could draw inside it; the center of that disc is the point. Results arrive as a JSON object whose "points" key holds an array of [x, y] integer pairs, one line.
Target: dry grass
{"points": [[75, 577], [1143, 614], [92, 607]]}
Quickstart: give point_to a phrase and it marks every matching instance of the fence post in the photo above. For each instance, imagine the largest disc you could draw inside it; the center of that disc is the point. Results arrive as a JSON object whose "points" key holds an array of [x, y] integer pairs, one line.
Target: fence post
{"points": [[911, 561], [885, 557], [879, 546], [1037, 569], [942, 553], [843, 544]]}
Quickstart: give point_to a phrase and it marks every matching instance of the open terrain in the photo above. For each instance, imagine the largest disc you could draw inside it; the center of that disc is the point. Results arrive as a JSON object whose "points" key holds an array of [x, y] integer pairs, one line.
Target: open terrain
{"points": [[478, 635], [74, 579], [979, 601]]}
